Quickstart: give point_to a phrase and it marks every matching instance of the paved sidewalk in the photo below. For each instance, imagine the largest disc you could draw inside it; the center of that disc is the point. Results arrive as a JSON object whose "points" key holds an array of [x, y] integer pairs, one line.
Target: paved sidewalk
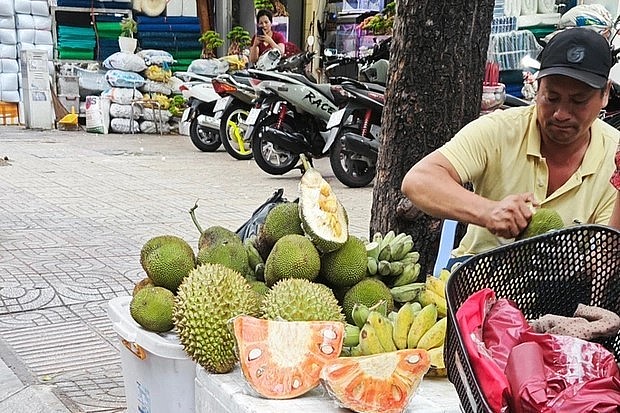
{"points": [[75, 210]]}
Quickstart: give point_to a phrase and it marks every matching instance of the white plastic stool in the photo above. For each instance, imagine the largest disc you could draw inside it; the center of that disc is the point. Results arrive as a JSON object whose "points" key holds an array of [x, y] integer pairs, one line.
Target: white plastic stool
{"points": [[446, 244]]}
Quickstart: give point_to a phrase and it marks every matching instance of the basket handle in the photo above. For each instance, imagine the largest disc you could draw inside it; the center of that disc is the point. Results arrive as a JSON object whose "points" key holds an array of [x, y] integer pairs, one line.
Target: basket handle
{"points": [[135, 348]]}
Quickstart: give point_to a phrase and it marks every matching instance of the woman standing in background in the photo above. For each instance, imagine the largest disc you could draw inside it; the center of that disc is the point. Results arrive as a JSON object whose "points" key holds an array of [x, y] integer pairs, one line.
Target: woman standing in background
{"points": [[265, 38]]}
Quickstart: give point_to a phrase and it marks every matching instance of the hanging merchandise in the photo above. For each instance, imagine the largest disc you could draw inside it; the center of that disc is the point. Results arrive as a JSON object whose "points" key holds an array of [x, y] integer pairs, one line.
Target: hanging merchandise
{"points": [[153, 8], [546, 6], [512, 8], [529, 7]]}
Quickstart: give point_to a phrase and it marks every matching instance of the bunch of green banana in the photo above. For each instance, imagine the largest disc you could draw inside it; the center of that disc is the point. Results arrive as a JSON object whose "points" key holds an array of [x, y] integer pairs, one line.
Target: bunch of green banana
{"points": [[391, 255], [412, 326]]}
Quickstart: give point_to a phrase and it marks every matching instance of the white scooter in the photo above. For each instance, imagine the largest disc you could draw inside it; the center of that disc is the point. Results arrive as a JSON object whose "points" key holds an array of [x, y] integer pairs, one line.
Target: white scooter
{"points": [[204, 128]]}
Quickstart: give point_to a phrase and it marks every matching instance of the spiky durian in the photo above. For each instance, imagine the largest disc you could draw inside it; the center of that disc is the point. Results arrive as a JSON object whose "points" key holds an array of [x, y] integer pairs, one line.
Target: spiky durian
{"points": [[297, 299], [207, 298]]}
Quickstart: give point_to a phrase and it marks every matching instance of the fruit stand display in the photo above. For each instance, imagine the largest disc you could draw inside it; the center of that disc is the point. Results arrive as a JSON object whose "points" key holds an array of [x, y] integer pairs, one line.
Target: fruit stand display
{"points": [[309, 313]]}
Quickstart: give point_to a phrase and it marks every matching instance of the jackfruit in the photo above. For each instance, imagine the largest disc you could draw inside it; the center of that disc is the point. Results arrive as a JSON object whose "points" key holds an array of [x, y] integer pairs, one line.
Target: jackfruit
{"points": [[152, 308], [208, 297], [212, 235], [301, 300], [281, 220], [369, 292], [347, 265], [543, 220], [293, 256], [323, 218], [167, 259], [230, 254], [143, 283]]}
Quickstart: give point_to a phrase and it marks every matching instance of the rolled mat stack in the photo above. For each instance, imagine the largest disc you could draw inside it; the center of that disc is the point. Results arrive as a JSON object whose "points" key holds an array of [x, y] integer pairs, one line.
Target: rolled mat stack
{"points": [[177, 35]]}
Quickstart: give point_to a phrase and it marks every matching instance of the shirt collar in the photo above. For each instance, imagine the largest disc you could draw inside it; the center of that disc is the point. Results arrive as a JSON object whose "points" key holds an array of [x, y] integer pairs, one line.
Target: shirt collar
{"points": [[590, 163]]}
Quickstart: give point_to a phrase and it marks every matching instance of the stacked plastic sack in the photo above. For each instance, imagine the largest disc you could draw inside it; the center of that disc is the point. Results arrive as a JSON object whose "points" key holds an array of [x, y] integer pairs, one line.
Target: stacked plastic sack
{"points": [[9, 66], [125, 80], [158, 88]]}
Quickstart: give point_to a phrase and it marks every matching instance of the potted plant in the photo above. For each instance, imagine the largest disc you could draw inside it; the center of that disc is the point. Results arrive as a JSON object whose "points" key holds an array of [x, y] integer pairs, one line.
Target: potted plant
{"points": [[278, 7], [210, 40], [239, 39], [126, 41]]}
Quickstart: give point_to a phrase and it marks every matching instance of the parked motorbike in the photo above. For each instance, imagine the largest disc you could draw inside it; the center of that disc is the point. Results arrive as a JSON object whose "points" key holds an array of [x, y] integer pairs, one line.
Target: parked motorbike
{"points": [[204, 129], [290, 119], [232, 110], [238, 95], [354, 132]]}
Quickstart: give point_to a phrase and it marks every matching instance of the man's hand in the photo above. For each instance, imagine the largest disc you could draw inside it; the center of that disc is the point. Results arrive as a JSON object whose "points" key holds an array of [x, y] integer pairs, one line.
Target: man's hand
{"points": [[509, 217]]}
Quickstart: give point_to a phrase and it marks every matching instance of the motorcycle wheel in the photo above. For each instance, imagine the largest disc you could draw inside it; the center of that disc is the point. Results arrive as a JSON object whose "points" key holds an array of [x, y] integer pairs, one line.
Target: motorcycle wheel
{"points": [[204, 138], [353, 171], [232, 123], [269, 157]]}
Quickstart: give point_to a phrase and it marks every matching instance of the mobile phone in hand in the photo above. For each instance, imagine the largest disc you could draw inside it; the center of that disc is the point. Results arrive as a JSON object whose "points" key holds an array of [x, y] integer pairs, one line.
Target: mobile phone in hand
{"points": [[259, 31]]}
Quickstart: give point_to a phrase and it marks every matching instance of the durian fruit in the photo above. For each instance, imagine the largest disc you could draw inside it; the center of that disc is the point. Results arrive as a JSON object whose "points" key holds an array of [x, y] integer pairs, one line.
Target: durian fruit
{"points": [[294, 299], [293, 256], [281, 220], [167, 259], [543, 220], [323, 218], [230, 254], [347, 265], [152, 308], [208, 297]]}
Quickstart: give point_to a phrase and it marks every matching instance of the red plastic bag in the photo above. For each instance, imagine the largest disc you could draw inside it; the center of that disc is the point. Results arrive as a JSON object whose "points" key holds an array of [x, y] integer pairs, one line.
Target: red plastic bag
{"points": [[470, 318], [534, 372]]}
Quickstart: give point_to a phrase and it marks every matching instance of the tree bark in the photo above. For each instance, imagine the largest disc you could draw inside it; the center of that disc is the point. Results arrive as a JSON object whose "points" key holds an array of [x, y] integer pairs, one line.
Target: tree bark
{"points": [[204, 10], [437, 59]]}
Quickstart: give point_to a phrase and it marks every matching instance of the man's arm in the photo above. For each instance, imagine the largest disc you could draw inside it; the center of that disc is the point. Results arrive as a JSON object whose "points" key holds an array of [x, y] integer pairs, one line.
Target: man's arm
{"points": [[615, 215], [435, 187]]}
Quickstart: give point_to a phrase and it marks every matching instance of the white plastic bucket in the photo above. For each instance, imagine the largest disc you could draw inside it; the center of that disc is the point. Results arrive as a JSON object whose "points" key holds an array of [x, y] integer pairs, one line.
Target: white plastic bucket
{"points": [[158, 375]]}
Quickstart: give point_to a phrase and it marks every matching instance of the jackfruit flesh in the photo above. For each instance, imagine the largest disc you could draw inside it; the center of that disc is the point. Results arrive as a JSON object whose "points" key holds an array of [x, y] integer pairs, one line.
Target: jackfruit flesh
{"points": [[323, 217]]}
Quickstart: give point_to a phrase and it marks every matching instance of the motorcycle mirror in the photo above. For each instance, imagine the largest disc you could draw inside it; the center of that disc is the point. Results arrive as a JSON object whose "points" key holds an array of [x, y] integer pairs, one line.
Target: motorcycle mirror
{"points": [[310, 41]]}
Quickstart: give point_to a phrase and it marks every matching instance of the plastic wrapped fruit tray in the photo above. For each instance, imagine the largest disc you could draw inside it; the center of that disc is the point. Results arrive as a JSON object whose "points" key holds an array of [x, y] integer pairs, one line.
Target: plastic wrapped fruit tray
{"points": [[547, 274]]}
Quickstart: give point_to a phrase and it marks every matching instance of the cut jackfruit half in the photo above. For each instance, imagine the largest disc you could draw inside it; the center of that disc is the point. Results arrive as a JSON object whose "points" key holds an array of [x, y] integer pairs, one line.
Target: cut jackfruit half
{"points": [[323, 218]]}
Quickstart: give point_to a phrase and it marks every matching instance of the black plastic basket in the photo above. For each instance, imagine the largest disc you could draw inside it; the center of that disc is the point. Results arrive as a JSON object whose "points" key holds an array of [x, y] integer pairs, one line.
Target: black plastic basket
{"points": [[548, 274]]}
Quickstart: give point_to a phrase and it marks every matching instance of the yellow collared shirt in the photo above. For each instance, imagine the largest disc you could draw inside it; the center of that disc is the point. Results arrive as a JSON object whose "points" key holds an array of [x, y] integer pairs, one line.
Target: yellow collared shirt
{"points": [[499, 154]]}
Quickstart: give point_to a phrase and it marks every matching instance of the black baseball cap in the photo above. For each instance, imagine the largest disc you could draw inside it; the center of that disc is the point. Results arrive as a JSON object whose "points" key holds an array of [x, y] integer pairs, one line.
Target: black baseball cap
{"points": [[580, 53]]}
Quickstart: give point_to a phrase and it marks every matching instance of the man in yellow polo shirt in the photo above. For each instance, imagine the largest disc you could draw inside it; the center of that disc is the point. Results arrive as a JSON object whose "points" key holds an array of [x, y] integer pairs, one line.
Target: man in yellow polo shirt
{"points": [[555, 154]]}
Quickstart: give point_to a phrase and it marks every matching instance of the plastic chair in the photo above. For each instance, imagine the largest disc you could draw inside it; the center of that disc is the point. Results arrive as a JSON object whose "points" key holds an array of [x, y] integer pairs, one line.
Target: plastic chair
{"points": [[446, 244]]}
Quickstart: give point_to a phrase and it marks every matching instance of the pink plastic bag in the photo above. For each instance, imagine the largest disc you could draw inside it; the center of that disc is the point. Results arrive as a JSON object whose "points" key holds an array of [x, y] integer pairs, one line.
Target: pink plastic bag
{"points": [[533, 372]]}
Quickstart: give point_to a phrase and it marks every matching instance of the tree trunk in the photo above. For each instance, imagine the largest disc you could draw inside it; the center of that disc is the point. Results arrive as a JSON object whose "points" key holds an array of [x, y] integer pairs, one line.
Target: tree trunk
{"points": [[204, 10], [437, 61]]}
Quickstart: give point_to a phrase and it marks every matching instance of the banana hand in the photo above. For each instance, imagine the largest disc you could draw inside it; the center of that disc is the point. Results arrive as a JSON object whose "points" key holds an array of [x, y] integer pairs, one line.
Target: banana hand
{"points": [[435, 335], [408, 292], [359, 314], [423, 321], [369, 342], [383, 329], [427, 297], [402, 325]]}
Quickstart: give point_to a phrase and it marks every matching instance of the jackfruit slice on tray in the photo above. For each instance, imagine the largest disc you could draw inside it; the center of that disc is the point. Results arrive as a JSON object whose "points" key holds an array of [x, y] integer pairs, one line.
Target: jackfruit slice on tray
{"points": [[323, 217]]}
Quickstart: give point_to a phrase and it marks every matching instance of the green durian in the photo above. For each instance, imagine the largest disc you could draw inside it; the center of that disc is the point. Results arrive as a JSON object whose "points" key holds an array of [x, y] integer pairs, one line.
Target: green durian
{"points": [[207, 298]]}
